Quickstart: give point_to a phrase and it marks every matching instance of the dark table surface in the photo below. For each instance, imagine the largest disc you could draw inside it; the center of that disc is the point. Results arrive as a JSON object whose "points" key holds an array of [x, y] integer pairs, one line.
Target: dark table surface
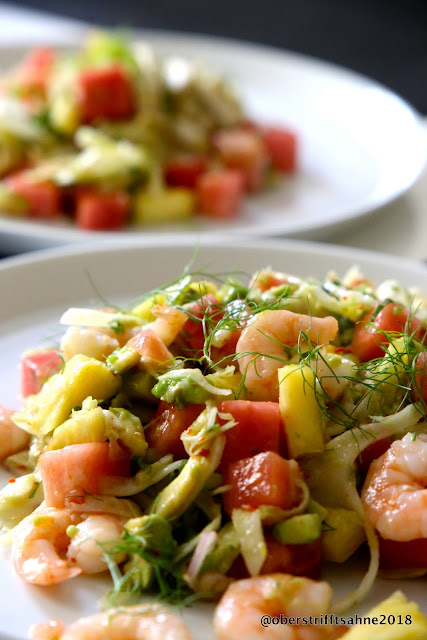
{"points": [[383, 39]]}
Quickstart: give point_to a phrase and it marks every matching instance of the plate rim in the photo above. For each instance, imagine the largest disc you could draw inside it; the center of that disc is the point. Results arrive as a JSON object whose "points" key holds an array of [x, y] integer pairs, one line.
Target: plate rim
{"points": [[169, 240]]}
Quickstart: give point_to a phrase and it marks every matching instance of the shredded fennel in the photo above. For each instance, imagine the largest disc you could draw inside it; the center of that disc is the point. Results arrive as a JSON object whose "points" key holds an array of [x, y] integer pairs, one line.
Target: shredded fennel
{"points": [[249, 531]]}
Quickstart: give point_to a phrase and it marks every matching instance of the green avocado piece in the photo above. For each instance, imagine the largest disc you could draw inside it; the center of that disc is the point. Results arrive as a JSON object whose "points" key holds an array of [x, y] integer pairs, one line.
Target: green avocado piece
{"points": [[301, 529]]}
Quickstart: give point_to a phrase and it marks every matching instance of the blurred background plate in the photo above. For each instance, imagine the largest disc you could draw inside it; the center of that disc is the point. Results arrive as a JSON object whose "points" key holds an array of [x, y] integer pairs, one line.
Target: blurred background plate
{"points": [[361, 145], [29, 318]]}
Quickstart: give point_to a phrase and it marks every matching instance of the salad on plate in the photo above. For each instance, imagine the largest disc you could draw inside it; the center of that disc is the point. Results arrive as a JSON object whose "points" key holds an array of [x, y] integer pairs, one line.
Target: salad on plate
{"points": [[225, 440], [114, 134]]}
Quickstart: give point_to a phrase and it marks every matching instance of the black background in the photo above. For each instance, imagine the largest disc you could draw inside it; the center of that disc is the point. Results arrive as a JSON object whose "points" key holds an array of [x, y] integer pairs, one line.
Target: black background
{"points": [[383, 39]]}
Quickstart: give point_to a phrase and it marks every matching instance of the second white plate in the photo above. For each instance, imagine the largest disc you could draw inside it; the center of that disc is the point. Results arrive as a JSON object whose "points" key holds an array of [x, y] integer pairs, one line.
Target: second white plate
{"points": [[361, 145]]}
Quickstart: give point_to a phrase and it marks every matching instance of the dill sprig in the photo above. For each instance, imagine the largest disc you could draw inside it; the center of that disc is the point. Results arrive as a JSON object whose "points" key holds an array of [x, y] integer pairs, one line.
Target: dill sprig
{"points": [[150, 544]]}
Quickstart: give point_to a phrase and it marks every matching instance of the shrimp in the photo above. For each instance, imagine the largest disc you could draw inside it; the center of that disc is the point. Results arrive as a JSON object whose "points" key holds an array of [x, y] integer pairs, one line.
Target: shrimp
{"points": [[261, 349], [168, 322], [12, 438], [244, 604], [43, 553], [140, 622], [394, 494], [38, 541], [154, 354], [86, 549], [152, 340], [90, 341]]}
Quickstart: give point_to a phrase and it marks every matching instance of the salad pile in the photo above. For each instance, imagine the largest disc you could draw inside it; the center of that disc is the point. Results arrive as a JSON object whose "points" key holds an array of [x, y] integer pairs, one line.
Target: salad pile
{"points": [[215, 433], [114, 134]]}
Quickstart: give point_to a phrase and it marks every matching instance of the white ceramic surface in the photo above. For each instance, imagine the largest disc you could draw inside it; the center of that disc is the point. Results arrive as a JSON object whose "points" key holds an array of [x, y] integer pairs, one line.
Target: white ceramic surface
{"points": [[361, 145], [34, 291]]}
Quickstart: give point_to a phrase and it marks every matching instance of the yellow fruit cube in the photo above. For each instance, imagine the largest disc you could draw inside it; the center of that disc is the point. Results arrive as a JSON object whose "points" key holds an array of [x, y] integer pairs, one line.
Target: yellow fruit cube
{"points": [[396, 619], [300, 410]]}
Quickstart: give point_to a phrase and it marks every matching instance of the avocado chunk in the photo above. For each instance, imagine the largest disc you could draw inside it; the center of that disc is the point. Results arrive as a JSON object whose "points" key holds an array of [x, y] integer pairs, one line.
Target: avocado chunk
{"points": [[301, 529], [182, 387], [315, 507]]}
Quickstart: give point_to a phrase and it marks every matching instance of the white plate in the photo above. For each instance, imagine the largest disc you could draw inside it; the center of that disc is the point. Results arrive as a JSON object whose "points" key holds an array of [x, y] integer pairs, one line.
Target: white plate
{"points": [[36, 289], [361, 145]]}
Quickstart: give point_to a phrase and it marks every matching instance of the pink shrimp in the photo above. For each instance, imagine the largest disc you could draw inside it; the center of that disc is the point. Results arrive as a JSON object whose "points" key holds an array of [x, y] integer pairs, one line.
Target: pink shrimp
{"points": [[140, 622], [263, 344], [37, 544], [153, 339], [394, 494], [246, 603], [12, 438], [44, 554]]}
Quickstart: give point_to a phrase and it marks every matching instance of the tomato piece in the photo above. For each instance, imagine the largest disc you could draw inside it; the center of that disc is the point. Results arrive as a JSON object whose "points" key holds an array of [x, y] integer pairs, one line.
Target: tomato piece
{"points": [[264, 479], [243, 149], [370, 342], [258, 429], [36, 368], [395, 554], [44, 199], [105, 93], [373, 451], [281, 144], [77, 469], [184, 171], [96, 210], [219, 193], [163, 432]]}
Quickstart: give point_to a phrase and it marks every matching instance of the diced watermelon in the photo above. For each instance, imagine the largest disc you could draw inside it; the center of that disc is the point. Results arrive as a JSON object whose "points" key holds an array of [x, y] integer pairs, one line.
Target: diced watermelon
{"points": [[44, 199], [36, 368], [294, 559], [76, 470], [101, 211], [219, 193], [411, 554], [164, 431], [258, 429], [264, 479], [105, 93], [281, 147], [243, 149], [185, 170]]}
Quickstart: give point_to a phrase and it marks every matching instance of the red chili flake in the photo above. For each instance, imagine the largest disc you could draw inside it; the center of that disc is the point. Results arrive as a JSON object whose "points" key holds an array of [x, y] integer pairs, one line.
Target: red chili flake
{"points": [[12, 479], [77, 500], [73, 560], [204, 453], [22, 467]]}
